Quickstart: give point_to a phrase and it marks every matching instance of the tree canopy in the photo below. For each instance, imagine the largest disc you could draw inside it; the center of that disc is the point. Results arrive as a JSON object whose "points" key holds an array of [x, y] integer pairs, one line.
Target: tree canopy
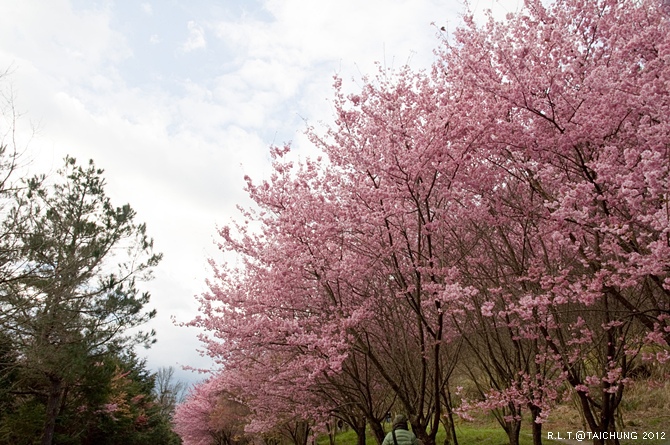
{"points": [[504, 216], [70, 307]]}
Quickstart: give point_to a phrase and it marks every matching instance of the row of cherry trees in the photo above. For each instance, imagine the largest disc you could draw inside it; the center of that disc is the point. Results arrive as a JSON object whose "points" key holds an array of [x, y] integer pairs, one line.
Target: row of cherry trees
{"points": [[505, 215]]}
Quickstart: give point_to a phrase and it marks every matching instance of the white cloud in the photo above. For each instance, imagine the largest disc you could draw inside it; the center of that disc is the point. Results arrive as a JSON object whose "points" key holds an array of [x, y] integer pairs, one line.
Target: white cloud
{"points": [[304, 32], [52, 39], [147, 8], [154, 39], [196, 38]]}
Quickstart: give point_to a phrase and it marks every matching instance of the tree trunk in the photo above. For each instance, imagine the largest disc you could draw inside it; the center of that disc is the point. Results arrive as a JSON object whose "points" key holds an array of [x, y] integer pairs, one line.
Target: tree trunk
{"points": [[513, 429], [449, 425], [607, 417], [421, 434], [53, 405], [300, 433], [359, 429], [536, 427], [332, 430], [377, 430], [361, 437]]}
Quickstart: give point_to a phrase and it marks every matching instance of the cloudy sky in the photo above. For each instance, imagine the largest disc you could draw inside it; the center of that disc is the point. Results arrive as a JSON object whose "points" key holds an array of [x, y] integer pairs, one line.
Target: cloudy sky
{"points": [[178, 99]]}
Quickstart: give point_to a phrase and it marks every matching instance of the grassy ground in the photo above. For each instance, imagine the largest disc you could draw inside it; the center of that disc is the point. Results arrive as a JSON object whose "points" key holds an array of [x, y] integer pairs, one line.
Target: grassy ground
{"points": [[467, 434], [490, 435], [645, 411], [475, 433]]}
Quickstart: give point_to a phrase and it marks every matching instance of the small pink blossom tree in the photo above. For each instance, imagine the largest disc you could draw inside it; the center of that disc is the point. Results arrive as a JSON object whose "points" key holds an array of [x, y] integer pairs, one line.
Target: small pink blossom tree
{"points": [[211, 416], [192, 417]]}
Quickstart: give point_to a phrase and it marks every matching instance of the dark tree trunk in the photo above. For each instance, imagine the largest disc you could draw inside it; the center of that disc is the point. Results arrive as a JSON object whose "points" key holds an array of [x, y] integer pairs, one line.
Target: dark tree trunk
{"points": [[53, 405], [449, 425], [421, 434], [332, 430], [300, 433], [536, 427], [377, 430], [513, 429], [359, 428]]}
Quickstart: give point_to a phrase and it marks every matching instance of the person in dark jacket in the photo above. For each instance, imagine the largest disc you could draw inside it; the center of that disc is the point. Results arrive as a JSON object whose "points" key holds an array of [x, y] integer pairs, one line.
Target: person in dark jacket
{"points": [[400, 434]]}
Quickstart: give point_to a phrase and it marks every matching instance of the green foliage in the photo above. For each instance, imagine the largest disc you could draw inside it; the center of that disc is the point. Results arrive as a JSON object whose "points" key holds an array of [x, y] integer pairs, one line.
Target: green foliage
{"points": [[69, 294], [114, 403], [80, 259], [23, 424], [130, 414], [8, 373]]}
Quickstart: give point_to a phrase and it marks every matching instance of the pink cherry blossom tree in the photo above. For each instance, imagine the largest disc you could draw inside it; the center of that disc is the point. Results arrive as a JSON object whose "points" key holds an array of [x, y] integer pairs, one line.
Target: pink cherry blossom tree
{"points": [[571, 101], [192, 417], [349, 257], [211, 416], [513, 199], [279, 324]]}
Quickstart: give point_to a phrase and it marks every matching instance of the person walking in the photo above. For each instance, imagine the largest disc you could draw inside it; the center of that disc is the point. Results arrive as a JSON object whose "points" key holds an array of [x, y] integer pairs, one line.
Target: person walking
{"points": [[400, 433]]}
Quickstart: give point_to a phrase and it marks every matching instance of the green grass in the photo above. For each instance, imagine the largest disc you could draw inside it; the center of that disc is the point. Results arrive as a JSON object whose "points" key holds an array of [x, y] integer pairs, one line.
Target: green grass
{"points": [[645, 407], [471, 434], [467, 434]]}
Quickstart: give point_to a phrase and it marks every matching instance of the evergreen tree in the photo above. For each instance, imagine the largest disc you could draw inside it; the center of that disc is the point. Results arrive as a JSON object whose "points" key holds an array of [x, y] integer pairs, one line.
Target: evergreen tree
{"points": [[73, 297]]}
